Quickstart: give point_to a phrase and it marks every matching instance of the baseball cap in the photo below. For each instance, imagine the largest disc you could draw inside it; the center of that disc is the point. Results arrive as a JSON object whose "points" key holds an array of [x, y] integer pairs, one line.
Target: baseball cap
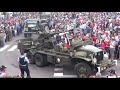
{"points": [[2, 67], [112, 71]]}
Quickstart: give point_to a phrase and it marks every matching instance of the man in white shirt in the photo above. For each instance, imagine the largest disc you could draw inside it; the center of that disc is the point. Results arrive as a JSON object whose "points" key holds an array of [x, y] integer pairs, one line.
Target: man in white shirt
{"points": [[23, 65]]}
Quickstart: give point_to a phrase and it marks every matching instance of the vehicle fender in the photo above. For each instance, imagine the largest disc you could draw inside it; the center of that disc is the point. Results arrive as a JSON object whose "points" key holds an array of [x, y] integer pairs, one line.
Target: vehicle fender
{"points": [[81, 58], [33, 51]]}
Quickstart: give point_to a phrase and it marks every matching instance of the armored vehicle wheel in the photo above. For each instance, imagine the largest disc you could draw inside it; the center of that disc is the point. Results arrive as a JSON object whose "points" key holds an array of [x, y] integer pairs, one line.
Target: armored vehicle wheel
{"points": [[30, 57], [83, 68], [39, 60]]}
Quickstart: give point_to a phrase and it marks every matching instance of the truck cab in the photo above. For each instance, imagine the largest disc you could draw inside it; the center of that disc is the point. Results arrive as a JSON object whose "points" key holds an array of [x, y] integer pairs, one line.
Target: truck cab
{"points": [[30, 27]]}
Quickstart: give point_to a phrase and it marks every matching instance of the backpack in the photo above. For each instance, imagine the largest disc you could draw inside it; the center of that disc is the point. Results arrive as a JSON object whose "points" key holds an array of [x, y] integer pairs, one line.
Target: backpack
{"points": [[22, 61]]}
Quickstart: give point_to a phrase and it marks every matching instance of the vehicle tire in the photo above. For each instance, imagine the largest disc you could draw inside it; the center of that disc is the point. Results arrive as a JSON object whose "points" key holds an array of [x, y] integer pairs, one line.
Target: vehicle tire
{"points": [[25, 35], [39, 60], [30, 57], [83, 68]]}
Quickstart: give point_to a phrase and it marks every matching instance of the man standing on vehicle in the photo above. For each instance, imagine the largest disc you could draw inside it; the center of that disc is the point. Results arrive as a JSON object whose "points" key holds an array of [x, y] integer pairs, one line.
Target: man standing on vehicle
{"points": [[23, 65]]}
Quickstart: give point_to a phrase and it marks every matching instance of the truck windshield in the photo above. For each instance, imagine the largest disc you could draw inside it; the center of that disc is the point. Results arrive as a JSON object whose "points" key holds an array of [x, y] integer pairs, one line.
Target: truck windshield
{"points": [[31, 23]]}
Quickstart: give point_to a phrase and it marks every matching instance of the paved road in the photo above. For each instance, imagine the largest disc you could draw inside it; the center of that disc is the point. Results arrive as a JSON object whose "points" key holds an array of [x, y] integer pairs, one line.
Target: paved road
{"points": [[9, 54]]}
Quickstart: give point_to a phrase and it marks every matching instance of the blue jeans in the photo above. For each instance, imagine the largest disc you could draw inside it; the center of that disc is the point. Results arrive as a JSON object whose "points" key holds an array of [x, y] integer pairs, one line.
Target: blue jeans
{"points": [[18, 30]]}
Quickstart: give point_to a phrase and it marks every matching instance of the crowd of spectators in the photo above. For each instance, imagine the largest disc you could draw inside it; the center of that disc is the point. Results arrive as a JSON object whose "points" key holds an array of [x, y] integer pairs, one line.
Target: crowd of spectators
{"points": [[102, 28], [13, 25]]}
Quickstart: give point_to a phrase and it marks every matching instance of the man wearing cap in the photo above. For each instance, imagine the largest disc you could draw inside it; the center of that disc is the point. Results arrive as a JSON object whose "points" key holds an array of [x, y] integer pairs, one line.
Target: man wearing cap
{"points": [[3, 72], [23, 65], [112, 74]]}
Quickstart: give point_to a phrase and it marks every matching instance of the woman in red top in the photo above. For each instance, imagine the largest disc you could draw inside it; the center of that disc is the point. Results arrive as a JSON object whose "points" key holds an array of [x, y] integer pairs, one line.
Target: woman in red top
{"points": [[103, 45], [94, 40], [107, 47]]}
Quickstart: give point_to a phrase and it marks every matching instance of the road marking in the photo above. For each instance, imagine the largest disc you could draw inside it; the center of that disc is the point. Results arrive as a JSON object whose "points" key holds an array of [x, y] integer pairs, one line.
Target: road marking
{"points": [[13, 48], [58, 70], [58, 74], [69, 76], [3, 48]]}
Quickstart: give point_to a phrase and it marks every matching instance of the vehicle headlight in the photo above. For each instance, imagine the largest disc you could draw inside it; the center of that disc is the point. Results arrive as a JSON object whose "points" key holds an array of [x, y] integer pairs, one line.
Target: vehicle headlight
{"points": [[26, 29], [58, 60]]}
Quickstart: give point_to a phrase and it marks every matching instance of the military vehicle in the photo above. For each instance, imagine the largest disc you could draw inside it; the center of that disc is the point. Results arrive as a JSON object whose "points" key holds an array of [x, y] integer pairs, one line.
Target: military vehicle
{"points": [[35, 25], [42, 50], [45, 24]]}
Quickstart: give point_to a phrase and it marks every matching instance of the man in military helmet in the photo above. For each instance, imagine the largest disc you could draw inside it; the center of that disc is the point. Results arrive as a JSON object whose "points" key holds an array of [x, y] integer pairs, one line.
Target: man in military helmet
{"points": [[9, 34], [89, 42], [76, 42]]}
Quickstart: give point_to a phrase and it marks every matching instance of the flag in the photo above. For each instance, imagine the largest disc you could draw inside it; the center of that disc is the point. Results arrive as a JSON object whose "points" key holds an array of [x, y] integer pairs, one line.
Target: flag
{"points": [[67, 42]]}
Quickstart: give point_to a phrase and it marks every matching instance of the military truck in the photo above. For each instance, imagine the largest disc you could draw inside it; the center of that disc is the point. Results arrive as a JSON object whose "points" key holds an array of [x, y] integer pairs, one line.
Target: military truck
{"points": [[42, 50], [35, 25]]}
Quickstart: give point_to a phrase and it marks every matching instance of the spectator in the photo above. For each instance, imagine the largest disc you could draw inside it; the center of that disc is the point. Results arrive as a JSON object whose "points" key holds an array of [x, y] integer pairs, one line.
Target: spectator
{"points": [[92, 76], [3, 72], [83, 76], [112, 48], [112, 74], [98, 75]]}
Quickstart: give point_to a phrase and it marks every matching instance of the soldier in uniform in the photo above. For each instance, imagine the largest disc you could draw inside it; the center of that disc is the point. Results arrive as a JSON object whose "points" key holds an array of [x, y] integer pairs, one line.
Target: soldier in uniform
{"points": [[2, 38], [76, 42], [89, 42], [9, 34]]}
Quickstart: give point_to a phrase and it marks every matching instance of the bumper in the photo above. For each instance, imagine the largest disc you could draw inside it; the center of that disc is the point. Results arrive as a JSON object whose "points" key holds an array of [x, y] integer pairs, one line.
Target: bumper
{"points": [[104, 66]]}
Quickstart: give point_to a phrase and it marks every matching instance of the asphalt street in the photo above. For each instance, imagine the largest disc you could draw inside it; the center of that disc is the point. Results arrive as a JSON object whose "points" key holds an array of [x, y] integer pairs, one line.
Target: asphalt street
{"points": [[9, 55]]}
